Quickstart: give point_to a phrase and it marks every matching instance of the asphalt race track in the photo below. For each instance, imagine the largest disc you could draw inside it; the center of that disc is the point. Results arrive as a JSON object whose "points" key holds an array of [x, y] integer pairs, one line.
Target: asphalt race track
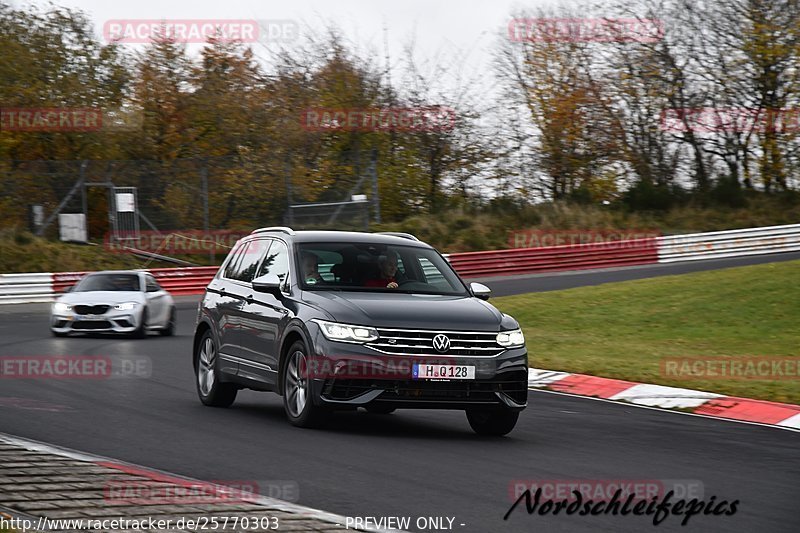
{"points": [[410, 463]]}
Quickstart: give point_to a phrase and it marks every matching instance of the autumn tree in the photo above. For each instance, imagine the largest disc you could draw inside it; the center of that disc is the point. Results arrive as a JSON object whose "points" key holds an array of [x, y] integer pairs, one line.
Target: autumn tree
{"points": [[550, 74], [51, 59]]}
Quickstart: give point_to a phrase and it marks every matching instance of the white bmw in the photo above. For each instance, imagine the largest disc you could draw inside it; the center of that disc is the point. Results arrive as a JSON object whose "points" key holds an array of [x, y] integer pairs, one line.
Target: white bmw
{"points": [[114, 301]]}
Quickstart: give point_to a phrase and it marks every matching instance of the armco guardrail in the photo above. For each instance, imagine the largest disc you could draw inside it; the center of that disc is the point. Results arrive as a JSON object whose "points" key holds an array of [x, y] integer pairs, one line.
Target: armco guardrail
{"points": [[43, 287], [24, 288], [554, 258], [734, 243], [179, 281], [62, 280], [190, 280]]}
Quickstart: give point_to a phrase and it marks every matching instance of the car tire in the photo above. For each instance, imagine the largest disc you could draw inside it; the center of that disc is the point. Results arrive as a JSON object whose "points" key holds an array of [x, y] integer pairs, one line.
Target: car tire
{"points": [[380, 409], [297, 401], [210, 389], [493, 422], [169, 330], [141, 331]]}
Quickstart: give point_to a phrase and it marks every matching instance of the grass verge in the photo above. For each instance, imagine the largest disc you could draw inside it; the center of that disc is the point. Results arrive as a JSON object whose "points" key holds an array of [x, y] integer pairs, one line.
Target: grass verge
{"points": [[624, 330]]}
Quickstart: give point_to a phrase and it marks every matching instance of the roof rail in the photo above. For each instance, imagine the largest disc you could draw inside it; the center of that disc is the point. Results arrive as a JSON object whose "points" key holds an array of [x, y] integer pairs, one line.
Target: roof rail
{"points": [[398, 234], [284, 229]]}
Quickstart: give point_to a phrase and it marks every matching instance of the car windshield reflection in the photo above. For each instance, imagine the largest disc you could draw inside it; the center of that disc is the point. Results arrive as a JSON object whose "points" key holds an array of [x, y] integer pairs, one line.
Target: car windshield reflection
{"points": [[348, 266], [108, 282]]}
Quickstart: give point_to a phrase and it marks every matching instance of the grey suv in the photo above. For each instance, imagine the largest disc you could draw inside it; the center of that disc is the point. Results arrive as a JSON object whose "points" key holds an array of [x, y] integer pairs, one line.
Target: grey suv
{"points": [[336, 320]]}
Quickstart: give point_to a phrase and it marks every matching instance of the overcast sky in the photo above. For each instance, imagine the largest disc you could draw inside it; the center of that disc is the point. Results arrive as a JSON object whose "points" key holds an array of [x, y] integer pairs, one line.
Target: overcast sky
{"points": [[439, 27]]}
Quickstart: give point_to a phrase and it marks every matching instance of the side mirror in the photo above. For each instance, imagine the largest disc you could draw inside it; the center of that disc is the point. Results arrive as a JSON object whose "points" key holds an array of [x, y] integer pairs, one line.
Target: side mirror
{"points": [[270, 283], [479, 290], [68, 288]]}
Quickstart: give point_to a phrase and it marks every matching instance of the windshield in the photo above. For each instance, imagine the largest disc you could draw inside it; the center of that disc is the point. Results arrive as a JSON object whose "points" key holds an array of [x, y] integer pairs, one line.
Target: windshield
{"points": [[376, 267], [108, 282]]}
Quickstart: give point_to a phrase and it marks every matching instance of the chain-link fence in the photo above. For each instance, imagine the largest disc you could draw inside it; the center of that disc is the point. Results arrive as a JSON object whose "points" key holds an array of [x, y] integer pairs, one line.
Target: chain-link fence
{"points": [[208, 194]]}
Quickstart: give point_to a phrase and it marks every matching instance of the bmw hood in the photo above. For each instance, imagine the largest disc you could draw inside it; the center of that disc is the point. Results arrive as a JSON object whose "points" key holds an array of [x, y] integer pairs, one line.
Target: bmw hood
{"points": [[412, 311]]}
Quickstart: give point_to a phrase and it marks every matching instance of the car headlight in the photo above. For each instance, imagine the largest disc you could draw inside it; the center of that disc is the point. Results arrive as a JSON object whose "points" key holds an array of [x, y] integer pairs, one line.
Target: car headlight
{"points": [[61, 307], [127, 306], [347, 333], [511, 338]]}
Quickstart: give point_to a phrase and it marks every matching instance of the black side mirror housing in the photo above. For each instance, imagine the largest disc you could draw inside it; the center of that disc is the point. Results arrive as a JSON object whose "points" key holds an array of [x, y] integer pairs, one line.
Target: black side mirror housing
{"points": [[268, 283], [479, 290]]}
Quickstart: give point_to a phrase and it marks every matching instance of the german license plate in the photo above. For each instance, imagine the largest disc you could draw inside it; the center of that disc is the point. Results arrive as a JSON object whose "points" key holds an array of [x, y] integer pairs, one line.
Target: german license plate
{"points": [[425, 371]]}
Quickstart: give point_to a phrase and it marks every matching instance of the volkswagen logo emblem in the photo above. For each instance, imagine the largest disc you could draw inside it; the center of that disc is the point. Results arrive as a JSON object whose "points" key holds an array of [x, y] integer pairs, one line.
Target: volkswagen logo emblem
{"points": [[441, 343]]}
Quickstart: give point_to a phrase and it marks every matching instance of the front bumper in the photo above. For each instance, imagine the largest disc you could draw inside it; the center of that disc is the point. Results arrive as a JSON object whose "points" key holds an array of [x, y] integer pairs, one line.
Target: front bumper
{"points": [[111, 321], [349, 375]]}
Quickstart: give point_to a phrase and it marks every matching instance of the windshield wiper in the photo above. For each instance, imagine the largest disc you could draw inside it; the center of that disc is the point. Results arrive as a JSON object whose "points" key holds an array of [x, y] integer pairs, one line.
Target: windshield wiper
{"points": [[429, 293]]}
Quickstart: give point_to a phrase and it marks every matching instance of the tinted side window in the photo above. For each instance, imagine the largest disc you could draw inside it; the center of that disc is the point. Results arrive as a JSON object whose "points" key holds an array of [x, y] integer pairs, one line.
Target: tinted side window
{"points": [[236, 257], [276, 261], [246, 269], [151, 284]]}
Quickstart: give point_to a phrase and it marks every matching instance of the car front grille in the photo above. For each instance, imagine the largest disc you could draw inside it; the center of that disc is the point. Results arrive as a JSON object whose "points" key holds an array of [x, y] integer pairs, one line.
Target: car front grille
{"points": [[513, 384], [91, 309], [420, 342], [91, 324]]}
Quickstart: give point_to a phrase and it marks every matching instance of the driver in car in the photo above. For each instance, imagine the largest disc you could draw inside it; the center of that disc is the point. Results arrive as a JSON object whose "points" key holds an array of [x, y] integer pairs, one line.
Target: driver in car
{"points": [[311, 268], [387, 264]]}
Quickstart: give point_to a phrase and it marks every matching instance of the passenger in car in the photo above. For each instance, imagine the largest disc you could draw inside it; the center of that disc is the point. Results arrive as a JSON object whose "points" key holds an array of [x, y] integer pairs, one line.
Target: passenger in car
{"points": [[388, 270]]}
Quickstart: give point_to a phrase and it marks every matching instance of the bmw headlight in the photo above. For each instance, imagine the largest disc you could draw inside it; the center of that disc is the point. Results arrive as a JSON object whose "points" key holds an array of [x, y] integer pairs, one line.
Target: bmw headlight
{"points": [[61, 307], [127, 306], [347, 333], [511, 338]]}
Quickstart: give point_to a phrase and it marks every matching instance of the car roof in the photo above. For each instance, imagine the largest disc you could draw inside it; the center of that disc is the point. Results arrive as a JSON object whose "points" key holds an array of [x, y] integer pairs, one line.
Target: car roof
{"points": [[136, 272], [345, 236]]}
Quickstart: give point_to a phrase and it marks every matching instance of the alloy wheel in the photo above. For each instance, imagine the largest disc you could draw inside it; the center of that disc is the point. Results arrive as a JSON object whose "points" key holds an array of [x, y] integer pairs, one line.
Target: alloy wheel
{"points": [[205, 368], [296, 384]]}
